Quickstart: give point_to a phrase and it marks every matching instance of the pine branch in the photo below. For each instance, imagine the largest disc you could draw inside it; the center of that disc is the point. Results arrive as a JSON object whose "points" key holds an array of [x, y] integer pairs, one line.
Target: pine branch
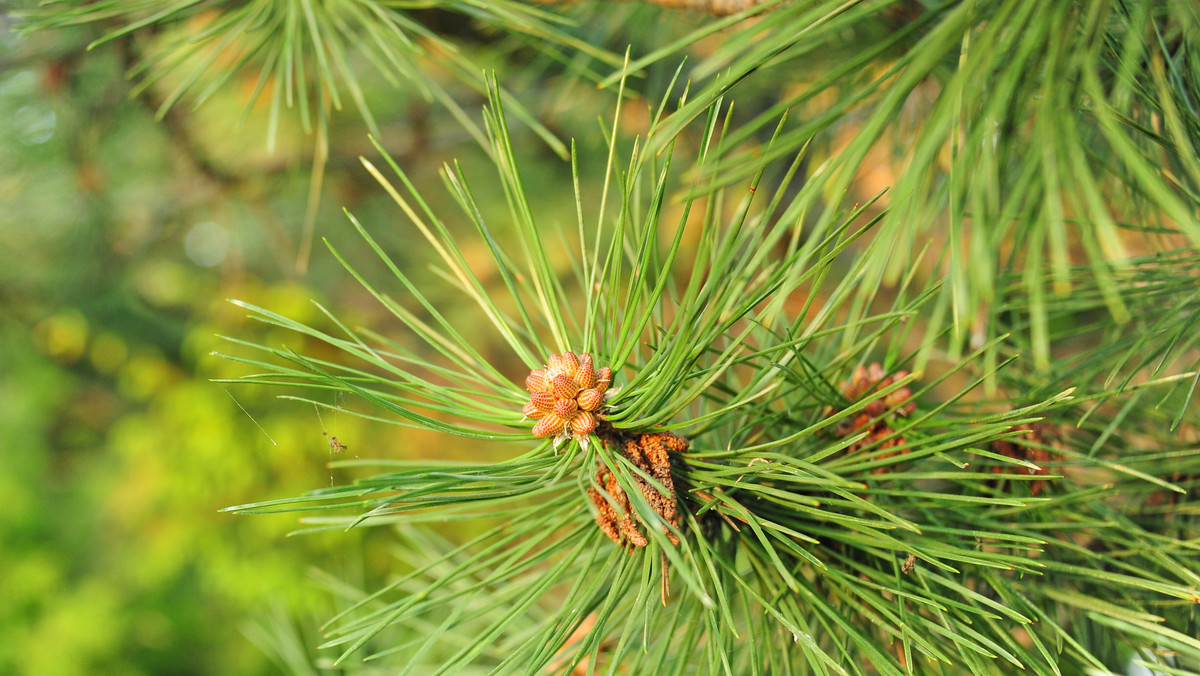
{"points": [[813, 508]]}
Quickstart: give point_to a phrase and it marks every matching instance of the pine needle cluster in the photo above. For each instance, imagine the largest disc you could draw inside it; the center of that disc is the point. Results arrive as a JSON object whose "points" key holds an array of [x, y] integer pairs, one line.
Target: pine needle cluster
{"points": [[835, 513], [949, 429]]}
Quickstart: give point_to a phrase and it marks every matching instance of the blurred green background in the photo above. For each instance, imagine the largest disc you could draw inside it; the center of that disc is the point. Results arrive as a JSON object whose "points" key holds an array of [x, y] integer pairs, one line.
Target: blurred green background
{"points": [[121, 236]]}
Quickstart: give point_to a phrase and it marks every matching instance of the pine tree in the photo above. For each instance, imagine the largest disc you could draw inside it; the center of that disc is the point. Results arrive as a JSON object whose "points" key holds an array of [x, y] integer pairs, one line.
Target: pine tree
{"points": [[750, 421]]}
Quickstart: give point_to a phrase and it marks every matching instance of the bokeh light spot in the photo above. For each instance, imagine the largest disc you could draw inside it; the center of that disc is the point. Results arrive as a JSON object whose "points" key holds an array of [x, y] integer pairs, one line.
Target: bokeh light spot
{"points": [[63, 336], [207, 244], [35, 124], [108, 352], [142, 376], [163, 283]]}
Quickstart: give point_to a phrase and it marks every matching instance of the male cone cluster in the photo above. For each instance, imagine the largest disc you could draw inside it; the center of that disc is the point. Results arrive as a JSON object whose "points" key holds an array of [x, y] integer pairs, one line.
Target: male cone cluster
{"points": [[1033, 448], [650, 452], [865, 383], [565, 396]]}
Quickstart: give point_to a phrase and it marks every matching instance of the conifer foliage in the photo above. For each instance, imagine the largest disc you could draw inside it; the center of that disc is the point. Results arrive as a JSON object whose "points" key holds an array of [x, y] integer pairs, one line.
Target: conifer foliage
{"points": [[751, 422]]}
